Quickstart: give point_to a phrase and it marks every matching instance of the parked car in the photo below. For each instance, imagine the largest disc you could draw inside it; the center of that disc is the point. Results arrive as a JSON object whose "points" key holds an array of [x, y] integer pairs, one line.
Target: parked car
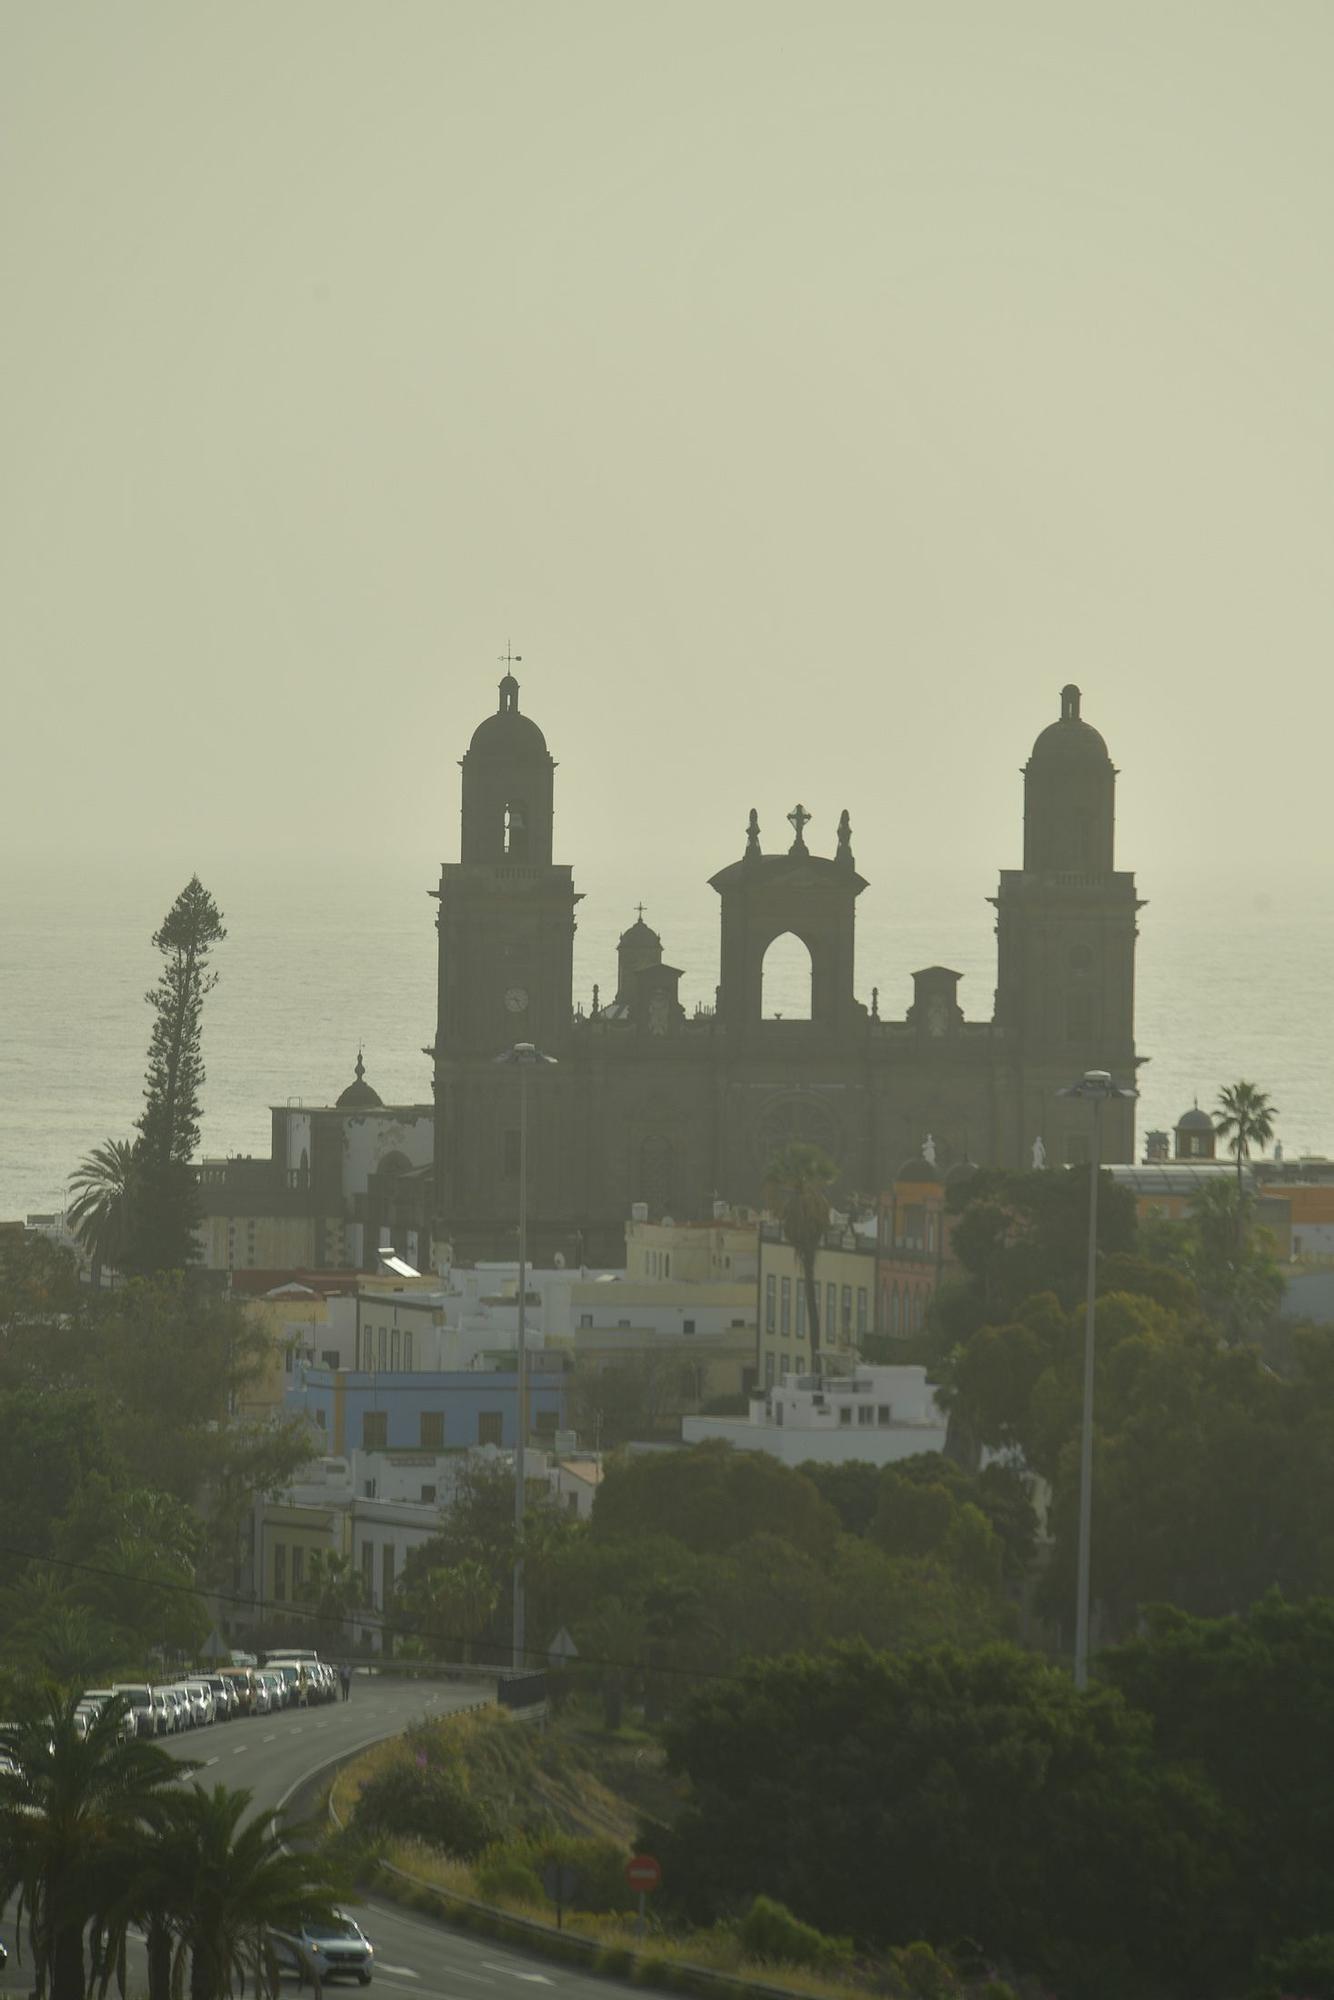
{"points": [[277, 1688], [325, 1948], [225, 1703], [174, 1702], [201, 1698], [241, 1681], [163, 1715], [4, 1955], [140, 1698]]}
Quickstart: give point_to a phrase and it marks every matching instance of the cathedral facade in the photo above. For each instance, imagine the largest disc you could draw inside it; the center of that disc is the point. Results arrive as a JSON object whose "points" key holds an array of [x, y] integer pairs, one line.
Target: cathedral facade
{"points": [[649, 1103]]}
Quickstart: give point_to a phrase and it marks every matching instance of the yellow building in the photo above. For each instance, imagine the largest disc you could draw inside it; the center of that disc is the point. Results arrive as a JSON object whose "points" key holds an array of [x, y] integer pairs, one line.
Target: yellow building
{"points": [[845, 1268], [723, 1250]]}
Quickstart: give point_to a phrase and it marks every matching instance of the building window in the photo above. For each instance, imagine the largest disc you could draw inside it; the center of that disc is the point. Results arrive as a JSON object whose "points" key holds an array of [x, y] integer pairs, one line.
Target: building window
{"points": [[375, 1430], [280, 1570], [510, 1164], [769, 1370], [862, 1309], [298, 1571], [845, 1413], [688, 1326], [396, 1350], [831, 1310], [407, 1349], [846, 1321], [771, 1304], [785, 1308], [387, 1573], [368, 1571], [585, 1319], [432, 1430], [321, 1418], [883, 1413], [384, 1347], [865, 1414], [428, 1496], [490, 1427], [786, 1363], [801, 1312]]}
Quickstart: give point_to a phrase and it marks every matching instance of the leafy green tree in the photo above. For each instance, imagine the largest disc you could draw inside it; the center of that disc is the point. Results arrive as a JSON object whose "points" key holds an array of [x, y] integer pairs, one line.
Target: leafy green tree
{"points": [[943, 1794], [69, 1807], [450, 1607], [710, 1498], [103, 1189], [797, 1181], [1021, 1234], [1249, 1701], [165, 1211], [1245, 1118]]}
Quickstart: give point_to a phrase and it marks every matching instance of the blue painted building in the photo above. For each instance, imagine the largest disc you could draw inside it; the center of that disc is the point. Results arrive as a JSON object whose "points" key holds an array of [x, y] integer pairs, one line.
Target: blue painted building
{"points": [[384, 1411]]}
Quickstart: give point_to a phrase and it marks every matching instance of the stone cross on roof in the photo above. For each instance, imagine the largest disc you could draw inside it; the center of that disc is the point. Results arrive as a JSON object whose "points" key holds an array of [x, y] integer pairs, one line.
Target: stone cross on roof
{"points": [[799, 819]]}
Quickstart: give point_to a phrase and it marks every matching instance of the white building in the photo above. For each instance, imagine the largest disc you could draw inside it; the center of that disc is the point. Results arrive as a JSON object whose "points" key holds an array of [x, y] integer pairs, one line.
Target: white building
{"points": [[874, 1415]]}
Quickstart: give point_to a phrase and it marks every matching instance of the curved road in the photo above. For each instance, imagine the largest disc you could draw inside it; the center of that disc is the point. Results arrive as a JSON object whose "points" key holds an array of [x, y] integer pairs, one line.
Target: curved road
{"points": [[274, 1756]]}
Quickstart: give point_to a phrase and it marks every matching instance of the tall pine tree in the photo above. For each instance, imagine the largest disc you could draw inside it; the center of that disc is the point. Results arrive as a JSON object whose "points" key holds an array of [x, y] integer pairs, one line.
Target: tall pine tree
{"points": [[166, 1208]]}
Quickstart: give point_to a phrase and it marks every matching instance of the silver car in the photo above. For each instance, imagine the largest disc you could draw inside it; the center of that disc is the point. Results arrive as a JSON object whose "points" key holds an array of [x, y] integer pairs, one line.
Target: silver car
{"points": [[324, 1948]]}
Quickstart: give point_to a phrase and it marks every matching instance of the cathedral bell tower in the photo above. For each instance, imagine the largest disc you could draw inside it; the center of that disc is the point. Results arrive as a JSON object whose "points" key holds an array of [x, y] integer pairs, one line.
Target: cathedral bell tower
{"points": [[1066, 930], [506, 928]]}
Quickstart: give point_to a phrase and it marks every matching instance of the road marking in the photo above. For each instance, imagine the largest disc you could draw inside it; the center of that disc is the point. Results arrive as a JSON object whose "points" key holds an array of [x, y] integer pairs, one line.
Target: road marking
{"points": [[208, 1761], [403, 1971], [240, 1750], [272, 1739], [533, 1978]]}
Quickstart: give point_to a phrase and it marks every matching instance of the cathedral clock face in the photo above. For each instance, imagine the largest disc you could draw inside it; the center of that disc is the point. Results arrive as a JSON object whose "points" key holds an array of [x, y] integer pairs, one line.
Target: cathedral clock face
{"points": [[516, 999]]}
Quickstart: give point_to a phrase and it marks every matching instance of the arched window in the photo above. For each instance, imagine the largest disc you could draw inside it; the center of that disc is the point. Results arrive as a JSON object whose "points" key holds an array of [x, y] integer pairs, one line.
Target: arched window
{"points": [[894, 1309], [785, 989], [516, 830]]}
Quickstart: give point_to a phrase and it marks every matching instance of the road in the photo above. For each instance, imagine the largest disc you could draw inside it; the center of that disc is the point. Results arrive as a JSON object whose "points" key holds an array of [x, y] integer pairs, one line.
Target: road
{"points": [[274, 1757]]}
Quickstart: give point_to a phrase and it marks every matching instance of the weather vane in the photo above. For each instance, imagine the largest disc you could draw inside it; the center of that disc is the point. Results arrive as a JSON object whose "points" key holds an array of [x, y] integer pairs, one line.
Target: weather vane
{"points": [[509, 659]]}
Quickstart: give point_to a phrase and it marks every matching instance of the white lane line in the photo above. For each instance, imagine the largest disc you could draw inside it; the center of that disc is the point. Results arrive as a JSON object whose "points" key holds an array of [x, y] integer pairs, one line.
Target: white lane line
{"points": [[403, 1971], [272, 1739], [208, 1761], [532, 1978], [240, 1750]]}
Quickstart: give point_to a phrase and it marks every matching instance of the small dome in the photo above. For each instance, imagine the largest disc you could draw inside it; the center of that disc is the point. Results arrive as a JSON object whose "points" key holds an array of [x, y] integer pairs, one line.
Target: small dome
{"points": [[1195, 1120], [507, 733], [640, 933], [359, 1095], [919, 1168], [1071, 741]]}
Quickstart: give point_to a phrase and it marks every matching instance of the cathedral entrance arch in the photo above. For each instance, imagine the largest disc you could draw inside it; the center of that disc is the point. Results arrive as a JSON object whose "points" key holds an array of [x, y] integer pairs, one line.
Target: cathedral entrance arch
{"points": [[787, 979]]}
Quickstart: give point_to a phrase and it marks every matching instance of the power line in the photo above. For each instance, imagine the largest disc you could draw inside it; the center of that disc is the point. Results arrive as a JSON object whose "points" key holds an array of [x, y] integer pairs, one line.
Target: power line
{"points": [[407, 1624]]}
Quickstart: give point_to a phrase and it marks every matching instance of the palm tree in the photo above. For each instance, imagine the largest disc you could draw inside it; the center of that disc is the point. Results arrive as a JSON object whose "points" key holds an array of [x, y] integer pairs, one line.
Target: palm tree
{"points": [[454, 1603], [208, 1881], [796, 1188], [100, 1211], [334, 1586], [69, 1808], [1245, 1118]]}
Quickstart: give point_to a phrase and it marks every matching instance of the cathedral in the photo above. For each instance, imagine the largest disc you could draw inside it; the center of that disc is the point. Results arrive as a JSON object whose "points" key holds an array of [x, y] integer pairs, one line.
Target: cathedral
{"points": [[648, 1103]]}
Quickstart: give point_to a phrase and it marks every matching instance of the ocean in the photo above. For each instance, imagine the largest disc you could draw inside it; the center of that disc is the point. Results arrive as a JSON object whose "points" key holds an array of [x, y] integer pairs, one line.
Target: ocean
{"points": [[1232, 981]]}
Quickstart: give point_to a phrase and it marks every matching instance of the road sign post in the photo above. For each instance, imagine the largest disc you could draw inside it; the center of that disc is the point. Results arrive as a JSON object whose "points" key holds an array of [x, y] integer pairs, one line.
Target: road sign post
{"points": [[643, 1873]]}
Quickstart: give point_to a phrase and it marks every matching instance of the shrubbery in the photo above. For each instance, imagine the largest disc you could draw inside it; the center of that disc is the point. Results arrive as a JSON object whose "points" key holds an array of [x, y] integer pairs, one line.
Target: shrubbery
{"points": [[418, 1800], [770, 1932]]}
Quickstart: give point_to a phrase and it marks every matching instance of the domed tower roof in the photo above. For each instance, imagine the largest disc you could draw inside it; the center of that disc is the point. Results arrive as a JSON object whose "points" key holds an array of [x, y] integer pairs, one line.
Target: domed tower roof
{"points": [[508, 786], [1070, 741], [507, 733], [1195, 1120], [1196, 1138], [919, 1168], [359, 1096], [636, 950], [1069, 798]]}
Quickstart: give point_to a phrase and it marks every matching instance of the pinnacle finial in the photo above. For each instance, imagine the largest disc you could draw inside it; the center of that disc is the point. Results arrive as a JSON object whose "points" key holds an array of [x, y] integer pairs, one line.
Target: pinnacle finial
{"points": [[799, 819], [360, 1069], [753, 832]]}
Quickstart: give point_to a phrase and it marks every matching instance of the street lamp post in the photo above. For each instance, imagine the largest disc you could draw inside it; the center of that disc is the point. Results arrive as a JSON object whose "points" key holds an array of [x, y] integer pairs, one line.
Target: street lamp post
{"points": [[524, 1056], [1096, 1085]]}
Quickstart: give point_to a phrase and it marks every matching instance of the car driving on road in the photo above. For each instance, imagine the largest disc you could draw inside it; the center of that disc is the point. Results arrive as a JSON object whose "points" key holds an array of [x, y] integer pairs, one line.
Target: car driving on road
{"points": [[325, 1948]]}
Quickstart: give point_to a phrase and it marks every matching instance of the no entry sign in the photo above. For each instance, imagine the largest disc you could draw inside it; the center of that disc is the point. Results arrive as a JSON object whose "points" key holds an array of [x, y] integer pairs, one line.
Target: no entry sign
{"points": [[643, 1873]]}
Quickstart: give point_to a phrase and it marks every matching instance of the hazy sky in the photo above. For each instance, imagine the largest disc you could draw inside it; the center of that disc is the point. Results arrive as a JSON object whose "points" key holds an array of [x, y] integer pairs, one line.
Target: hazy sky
{"points": [[808, 391]]}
